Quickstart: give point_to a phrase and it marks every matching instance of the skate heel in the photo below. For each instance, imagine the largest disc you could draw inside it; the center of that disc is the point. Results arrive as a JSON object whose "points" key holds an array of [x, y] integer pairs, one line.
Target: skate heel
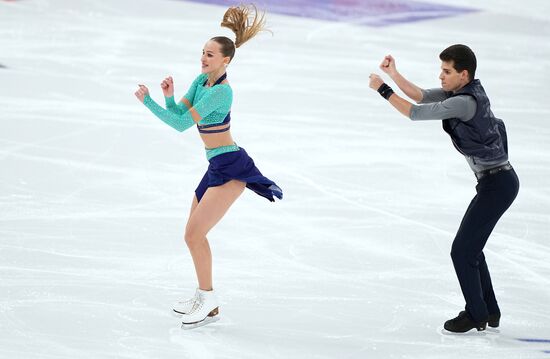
{"points": [[214, 312], [494, 320], [481, 326]]}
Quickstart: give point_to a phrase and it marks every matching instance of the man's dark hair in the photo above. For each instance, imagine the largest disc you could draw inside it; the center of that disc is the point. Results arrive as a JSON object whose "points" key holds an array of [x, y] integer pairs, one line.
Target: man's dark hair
{"points": [[463, 58]]}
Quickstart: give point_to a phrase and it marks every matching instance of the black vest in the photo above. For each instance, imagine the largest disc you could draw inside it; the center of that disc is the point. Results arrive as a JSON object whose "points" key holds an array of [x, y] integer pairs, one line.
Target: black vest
{"points": [[483, 138]]}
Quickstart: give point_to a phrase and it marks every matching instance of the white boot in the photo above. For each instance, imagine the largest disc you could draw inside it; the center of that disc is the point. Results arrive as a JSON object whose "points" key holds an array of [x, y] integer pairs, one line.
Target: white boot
{"points": [[205, 307], [185, 306]]}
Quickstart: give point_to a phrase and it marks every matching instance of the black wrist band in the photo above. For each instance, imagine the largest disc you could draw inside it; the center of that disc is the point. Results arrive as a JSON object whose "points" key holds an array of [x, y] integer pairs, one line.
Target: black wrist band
{"points": [[385, 91]]}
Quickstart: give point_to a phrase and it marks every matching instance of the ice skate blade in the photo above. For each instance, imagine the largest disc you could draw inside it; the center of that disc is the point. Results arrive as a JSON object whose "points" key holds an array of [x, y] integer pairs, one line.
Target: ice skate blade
{"points": [[207, 320], [469, 333], [176, 314]]}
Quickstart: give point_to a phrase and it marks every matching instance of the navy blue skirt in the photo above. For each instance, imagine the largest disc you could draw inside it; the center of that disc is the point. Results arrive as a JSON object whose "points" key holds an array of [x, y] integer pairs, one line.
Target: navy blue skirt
{"points": [[239, 166]]}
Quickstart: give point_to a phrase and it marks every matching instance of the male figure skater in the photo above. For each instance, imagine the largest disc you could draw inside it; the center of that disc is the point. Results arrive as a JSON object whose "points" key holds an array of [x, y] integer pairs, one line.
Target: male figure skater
{"points": [[463, 106]]}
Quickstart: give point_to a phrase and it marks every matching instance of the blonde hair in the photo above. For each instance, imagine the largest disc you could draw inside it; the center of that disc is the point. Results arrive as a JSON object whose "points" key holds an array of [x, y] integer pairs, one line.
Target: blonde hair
{"points": [[245, 22]]}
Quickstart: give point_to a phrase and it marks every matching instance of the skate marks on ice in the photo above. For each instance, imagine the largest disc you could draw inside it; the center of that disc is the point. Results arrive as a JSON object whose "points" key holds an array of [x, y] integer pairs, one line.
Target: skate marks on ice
{"points": [[197, 342], [495, 337], [3, 66], [342, 197], [537, 343]]}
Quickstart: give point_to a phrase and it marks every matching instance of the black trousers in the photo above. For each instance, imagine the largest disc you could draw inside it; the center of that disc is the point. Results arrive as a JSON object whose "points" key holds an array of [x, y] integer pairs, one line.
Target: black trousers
{"points": [[495, 193]]}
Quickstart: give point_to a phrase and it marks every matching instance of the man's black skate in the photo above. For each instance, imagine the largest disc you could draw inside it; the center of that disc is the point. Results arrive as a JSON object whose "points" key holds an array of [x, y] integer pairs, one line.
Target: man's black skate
{"points": [[462, 323], [494, 320]]}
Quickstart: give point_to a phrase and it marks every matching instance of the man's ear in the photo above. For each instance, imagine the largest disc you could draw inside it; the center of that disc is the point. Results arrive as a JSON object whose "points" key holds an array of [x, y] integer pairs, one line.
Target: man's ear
{"points": [[464, 75]]}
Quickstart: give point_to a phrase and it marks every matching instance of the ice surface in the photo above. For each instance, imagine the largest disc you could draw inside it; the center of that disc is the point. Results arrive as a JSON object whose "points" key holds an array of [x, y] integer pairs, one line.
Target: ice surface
{"points": [[353, 263]]}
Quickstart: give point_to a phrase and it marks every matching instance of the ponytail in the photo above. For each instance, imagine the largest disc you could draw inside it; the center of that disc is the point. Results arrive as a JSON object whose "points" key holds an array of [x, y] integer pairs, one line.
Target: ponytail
{"points": [[245, 22]]}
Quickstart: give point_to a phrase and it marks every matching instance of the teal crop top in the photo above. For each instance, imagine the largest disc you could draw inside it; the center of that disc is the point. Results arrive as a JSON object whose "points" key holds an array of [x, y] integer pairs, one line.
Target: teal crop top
{"points": [[211, 103]]}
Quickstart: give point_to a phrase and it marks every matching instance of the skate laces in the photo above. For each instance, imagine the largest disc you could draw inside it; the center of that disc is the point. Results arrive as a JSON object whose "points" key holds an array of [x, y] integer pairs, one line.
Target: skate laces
{"points": [[199, 302], [190, 300]]}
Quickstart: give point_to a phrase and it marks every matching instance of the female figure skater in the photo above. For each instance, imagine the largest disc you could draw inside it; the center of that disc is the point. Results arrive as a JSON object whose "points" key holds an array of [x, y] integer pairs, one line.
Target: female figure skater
{"points": [[207, 104]]}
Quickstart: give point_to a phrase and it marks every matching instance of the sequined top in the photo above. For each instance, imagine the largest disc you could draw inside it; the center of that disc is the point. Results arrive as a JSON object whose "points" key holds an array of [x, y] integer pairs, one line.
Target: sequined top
{"points": [[213, 105]]}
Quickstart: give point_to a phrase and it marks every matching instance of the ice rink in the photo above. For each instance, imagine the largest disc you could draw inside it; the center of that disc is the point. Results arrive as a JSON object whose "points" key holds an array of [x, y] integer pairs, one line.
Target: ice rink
{"points": [[353, 262]]}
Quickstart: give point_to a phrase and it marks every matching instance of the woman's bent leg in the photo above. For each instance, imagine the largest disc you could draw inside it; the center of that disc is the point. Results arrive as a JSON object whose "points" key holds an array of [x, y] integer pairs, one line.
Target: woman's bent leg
{"points": [[207, 213]]}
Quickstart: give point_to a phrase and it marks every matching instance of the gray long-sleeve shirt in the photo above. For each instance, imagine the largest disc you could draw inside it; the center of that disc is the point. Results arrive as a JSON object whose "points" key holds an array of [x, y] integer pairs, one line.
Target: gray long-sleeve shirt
{"points": [[437, 104]]}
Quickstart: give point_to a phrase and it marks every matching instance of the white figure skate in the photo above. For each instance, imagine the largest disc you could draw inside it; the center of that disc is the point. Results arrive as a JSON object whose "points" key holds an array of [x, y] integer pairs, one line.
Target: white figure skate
{"points": [[204, 311]]}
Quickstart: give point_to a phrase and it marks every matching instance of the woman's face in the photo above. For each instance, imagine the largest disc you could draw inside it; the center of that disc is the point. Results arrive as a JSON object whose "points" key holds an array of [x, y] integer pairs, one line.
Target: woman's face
{"points": [[212, 59]]}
